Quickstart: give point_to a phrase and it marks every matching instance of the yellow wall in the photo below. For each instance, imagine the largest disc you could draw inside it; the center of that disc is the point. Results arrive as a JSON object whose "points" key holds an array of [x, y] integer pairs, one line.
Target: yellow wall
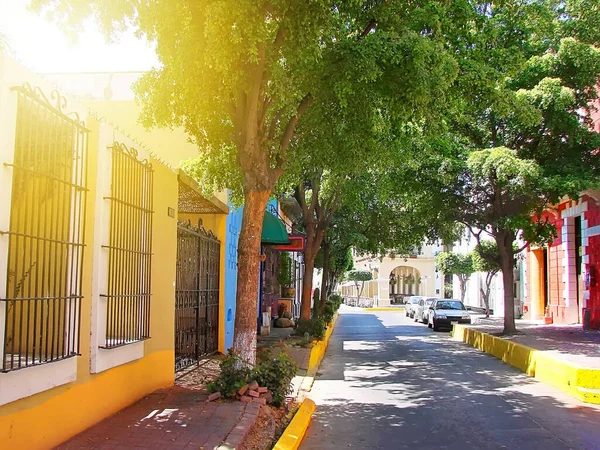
{"points": [[125, 113], [44, 420], [164, 249]]}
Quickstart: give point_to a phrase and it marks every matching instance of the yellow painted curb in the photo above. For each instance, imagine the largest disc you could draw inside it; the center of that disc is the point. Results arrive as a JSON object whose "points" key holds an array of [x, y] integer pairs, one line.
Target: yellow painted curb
{"points": [[385, 309], [583, 384], [318, 351], [295, 431]]}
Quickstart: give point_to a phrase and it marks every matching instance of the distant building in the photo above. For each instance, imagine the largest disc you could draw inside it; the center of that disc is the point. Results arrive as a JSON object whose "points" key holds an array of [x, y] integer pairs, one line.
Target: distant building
{"points": [[396, 277]]}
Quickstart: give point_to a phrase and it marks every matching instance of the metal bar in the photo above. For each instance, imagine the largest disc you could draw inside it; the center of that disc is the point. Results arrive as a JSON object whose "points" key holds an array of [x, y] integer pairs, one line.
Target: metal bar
{"points": [[45, 175], [134, 281], [81, 250], [56, 264], [40, 264], [128, 203], [42, 239], [111, 234]]}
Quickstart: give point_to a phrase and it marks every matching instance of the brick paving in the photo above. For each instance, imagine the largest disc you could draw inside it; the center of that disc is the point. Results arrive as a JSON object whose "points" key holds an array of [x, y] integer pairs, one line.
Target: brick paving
{"points": [[173, 418], [568, 342]]}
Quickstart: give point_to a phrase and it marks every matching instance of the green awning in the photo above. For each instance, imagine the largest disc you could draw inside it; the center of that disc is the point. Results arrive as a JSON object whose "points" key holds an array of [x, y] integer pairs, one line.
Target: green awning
{"points": [[274, 231]]}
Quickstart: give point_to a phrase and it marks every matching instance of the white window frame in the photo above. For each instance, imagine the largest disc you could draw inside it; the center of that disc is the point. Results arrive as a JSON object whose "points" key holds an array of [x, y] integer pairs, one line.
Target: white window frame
{"points": [[27, 381], [102, 359]]}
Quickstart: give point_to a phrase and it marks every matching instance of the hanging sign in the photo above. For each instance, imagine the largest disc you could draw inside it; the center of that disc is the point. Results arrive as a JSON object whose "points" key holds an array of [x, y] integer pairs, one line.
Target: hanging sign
{"points": [[296, 244]]}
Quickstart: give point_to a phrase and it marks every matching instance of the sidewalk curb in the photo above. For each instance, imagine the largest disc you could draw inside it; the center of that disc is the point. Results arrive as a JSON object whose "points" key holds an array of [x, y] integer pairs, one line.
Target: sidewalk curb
{"points": [[236, 437], [295, 431], [318, 351], [581, 383]]}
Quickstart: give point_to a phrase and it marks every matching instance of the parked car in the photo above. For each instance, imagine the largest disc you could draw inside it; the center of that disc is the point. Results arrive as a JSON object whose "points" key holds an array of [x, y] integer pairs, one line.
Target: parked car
{"points": [[413, 301], [422, 309], [445, 312]]}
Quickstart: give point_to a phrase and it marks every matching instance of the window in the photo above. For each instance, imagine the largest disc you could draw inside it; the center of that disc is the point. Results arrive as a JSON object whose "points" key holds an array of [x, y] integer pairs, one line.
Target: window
{"points": [[42, 304], [129, 248], [450, 304]]}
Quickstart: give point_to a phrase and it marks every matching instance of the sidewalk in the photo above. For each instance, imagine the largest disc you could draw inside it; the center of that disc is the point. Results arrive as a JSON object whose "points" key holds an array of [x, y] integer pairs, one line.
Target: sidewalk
{"points": [[569, 343], [174, 418], [564, 356]]}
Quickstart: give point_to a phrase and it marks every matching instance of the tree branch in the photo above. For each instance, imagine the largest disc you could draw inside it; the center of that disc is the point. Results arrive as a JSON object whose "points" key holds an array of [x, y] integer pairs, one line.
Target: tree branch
{"points": [[370, 27], [289, 130], [315, 183], [523, 247], [301, 197]]}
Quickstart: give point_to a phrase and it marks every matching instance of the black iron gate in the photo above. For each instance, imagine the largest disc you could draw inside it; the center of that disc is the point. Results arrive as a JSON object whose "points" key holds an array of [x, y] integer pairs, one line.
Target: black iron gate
{"points": [[196, 295]]}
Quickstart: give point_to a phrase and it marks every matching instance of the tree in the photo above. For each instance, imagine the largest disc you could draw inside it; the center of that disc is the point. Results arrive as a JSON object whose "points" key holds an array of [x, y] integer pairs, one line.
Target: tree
{"points": [[456, 264], [518, 135], [359, 277], [486, 258], [238, 75]]}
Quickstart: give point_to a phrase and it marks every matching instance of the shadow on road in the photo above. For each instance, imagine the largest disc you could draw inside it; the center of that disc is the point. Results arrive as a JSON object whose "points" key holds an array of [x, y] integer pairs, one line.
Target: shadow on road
{"points": [[397, 384]]}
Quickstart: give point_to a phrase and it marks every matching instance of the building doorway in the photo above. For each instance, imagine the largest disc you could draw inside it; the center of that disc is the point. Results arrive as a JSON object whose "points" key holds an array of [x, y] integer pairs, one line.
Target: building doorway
{"points": [[539, 283], [196, 295], [578, 262], [404, 282]]}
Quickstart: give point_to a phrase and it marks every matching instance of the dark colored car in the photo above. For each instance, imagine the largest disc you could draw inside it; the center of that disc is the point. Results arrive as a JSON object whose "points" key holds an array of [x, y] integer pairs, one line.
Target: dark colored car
{"points": [[444, 313]]}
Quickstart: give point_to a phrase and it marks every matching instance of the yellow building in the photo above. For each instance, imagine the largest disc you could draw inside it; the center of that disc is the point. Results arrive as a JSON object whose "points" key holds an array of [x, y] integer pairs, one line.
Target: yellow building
{"points": [[93, 264]]}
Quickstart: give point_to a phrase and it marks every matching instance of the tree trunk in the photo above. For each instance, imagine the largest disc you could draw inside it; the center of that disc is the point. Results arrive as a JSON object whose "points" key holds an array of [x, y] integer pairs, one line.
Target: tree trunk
{"points": [[463, 288], [485, 294], [505, 240], [324, 278], [332, 281], [309, 266], [244, 342], [314, 237]]}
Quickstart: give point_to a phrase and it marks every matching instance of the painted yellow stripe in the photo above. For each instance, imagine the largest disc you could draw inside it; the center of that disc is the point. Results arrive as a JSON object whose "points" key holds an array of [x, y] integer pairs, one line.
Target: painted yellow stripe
{"points": [[318, 351], [295, 431], [583, 384]]}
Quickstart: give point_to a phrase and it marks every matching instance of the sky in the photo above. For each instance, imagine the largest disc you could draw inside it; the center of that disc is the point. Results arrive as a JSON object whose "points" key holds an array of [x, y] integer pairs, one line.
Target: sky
{"points": [[42, 46]]}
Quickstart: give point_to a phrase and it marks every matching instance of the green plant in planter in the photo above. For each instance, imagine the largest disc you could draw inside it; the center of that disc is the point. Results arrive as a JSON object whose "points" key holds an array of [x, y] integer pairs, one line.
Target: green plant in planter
{"points": [[314, 327], [276, 374], [235, 373]]}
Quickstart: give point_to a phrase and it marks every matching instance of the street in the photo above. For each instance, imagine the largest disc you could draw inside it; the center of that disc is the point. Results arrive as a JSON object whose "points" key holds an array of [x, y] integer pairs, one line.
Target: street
{"points": [[389, 383]]}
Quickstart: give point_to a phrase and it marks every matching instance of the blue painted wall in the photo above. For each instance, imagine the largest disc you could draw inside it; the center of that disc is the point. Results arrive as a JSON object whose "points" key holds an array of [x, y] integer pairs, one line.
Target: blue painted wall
{"points": [[233, 224]]}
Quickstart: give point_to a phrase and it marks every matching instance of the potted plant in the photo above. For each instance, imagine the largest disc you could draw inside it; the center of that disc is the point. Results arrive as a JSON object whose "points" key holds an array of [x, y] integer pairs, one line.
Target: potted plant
{"points": [[285, 276]]}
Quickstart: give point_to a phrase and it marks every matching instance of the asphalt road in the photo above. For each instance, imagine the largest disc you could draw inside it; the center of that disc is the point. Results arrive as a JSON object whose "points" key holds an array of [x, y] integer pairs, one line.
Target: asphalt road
{"points": [[389, 383]]}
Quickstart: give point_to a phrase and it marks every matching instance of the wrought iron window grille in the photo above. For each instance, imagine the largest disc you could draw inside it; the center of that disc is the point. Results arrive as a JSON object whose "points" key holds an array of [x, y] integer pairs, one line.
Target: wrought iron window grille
{"points": [[128, 289], [46, 232]]}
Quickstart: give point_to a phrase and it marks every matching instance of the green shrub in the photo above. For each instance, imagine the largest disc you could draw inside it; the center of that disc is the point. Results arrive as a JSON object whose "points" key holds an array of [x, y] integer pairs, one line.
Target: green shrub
{"points": [[235, 373], [276, 374], [336, 300], [314, 327], [329, 312]]}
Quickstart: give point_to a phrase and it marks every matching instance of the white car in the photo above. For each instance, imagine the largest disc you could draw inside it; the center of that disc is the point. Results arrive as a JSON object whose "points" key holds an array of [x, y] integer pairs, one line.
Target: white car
{"points": [[409, 308], [445, 312], [422, 309]]}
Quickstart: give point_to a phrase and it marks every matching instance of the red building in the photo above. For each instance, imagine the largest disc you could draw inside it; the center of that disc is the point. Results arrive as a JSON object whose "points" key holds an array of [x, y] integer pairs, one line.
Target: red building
{"points": [[561, 280]]}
